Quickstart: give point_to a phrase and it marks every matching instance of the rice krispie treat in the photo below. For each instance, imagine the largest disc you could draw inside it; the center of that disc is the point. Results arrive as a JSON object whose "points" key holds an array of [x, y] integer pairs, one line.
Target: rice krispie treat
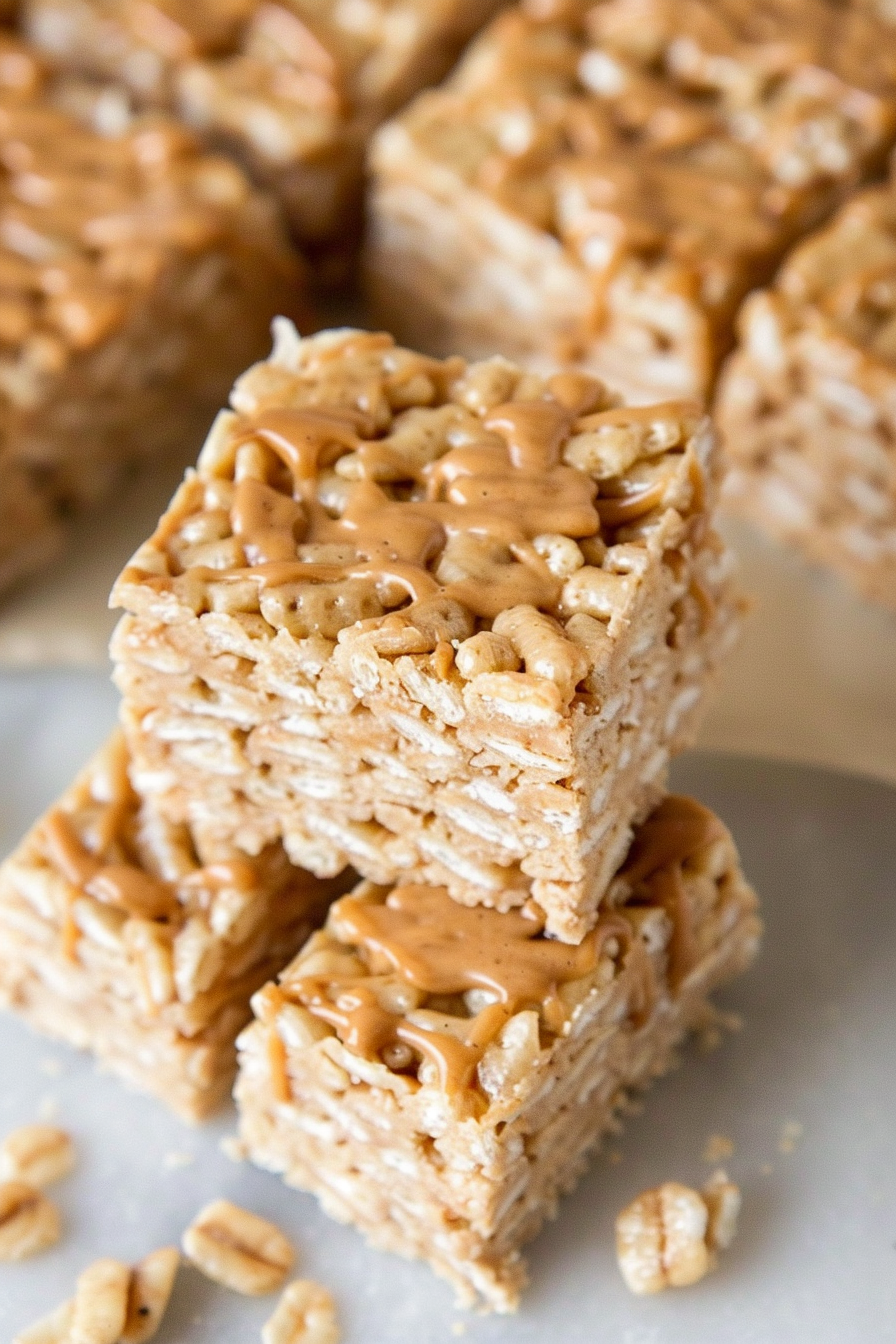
{"points": [[808, 400], [604, 182], [436, 1075], [293, 89], [137, 277], [119, 934], [438, 621]]}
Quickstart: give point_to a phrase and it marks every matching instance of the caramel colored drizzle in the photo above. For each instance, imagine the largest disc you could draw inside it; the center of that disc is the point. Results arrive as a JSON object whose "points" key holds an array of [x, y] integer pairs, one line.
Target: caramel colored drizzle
{"points": [[442, 948], [678, 830], [496, 495], [426, 940], [125, 886]]}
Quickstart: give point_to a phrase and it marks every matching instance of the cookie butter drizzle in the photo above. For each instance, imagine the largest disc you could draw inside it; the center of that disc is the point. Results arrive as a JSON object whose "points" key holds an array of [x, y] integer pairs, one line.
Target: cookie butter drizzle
{"points": [[484, 501], [678, 830], [425, 939], [114, 881]]}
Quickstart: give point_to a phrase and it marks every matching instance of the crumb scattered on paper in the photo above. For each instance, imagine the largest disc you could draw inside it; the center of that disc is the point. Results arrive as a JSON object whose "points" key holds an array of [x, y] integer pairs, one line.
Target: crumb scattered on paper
{"points": [[233, 1148], [459, 1328], [174, 1161], [50, 1066], [48, 1107], [718, 1147], [790, 1136]]}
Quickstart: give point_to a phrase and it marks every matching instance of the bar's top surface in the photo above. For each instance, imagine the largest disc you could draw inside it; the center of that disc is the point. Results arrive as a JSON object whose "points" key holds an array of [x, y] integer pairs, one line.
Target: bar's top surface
{"points": [[324, 56], [694, 131], [842, 279], [88, 222], [354, 477], [409, 978], [101, 843]]}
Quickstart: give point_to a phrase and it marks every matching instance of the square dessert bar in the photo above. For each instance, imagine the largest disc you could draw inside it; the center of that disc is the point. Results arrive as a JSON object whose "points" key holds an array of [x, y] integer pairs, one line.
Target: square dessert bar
{"points": [[119, 936], [137, 277], [604, 182], [436, 1075], [293, 89], [438, 621], [808, 400]]}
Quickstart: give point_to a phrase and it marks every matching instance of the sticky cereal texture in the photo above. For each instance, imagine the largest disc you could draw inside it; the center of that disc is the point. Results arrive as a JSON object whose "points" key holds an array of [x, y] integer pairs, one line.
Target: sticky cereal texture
{"points": [[436, 1075], [603, 183], [138, 275], [430, 619], [118, 936], [807, 402]]}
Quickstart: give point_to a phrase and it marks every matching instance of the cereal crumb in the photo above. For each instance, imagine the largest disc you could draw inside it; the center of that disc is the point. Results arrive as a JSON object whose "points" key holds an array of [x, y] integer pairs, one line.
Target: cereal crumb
{"points": [[791, 1134], [669, 1236], [233, 1148], [51, 1066], [48, 1107], [718, 1147], [459, 1328], [614, 1157], [174, 1161]]}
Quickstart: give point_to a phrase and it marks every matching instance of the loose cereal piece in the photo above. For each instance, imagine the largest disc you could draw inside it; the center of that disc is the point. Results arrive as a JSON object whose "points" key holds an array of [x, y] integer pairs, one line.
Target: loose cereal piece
{"points": [[723, 1201], [305, 1314], [29, 1222], [238, 1249], [120, 934], [392, 621], [138, 278], [667, 1237], [38, 1154], [448, 1041], [603, 182], [50, 1329], [151, 1285], [100, 1306], [807, 402]]}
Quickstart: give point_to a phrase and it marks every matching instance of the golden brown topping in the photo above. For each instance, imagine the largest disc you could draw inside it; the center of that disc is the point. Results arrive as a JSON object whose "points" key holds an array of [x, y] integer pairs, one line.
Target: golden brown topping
{"points": [[673, 835], [88, 221], [445, 951], [648, 131], [411, 975], [323, 503]]}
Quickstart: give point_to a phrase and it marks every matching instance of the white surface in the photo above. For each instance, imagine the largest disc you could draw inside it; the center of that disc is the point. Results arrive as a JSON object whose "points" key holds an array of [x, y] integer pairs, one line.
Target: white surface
{"points": [[815, 1261]]}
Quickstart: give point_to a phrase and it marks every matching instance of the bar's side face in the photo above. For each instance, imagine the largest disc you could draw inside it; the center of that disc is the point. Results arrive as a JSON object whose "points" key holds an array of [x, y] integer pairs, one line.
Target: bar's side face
{"points": [[118, 937], [139, 276], [436, 1075], [294, 90], [604, 182], [429, 619], [807, 402]]}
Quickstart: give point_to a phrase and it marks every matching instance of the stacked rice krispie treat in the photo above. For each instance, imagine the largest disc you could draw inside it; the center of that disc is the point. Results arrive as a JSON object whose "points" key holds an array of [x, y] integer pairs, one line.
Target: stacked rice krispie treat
{"points": [[604, 182], [293, 89], [138, 275], [807, 402], [120, 934], [437, 1075], [438, 621]]}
